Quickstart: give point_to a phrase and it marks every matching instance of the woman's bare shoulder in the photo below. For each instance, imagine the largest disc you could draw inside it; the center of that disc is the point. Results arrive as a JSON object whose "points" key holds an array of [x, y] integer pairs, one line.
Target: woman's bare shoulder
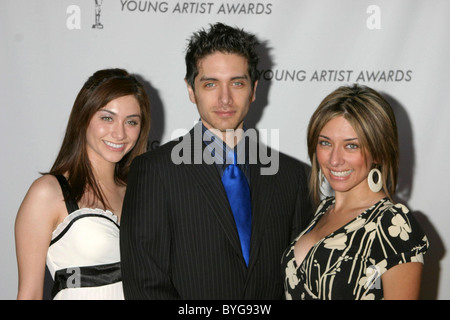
{"points": [[46, 187], [44, 198]]}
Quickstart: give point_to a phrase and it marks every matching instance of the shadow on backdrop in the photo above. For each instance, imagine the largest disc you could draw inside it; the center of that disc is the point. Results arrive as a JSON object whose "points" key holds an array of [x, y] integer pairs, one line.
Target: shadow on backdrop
{"points": [[436, 251], [262, 91], [157, 126]]}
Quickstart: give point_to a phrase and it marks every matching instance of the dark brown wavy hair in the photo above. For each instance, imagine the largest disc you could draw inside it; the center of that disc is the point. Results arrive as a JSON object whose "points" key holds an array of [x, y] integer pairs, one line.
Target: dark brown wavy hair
{"points": [[101, 88]]}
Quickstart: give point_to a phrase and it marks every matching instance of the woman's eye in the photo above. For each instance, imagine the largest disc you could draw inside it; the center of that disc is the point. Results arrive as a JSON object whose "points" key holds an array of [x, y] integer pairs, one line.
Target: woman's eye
{"points": [[352, 146], [133, 122], [106, 118], [324, 143]]}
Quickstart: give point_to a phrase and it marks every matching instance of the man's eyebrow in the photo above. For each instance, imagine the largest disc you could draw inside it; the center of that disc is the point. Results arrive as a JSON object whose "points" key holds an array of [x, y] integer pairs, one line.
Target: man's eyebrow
{"points": [[244, 77], [205, 78]]}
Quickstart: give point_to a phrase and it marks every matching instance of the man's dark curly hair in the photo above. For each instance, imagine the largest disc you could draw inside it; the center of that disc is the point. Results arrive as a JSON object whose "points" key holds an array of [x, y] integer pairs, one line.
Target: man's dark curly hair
{"points": [[221, 38]]}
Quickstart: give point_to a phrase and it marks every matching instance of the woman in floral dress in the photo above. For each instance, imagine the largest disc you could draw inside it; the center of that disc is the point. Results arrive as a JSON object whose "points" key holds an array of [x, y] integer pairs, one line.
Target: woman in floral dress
{"points": [[359, 245]]}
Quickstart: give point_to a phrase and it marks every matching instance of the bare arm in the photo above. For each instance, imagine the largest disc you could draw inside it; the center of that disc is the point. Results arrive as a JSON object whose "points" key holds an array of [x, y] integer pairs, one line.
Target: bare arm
{"points": [[35, 221], [402, 282]]}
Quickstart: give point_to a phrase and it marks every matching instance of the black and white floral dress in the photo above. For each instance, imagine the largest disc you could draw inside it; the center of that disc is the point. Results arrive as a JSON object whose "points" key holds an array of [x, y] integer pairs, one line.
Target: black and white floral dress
{"points": [[348, 263]]}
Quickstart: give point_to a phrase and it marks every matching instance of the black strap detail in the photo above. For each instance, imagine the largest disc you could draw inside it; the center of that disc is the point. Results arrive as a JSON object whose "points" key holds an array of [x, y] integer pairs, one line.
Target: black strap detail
{"points": [[90, 276], [71, 204]]}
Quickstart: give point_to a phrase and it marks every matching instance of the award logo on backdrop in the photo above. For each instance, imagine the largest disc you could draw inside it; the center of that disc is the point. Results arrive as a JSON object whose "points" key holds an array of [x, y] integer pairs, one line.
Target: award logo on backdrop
{"points": [[73, 21], [98, 10]]}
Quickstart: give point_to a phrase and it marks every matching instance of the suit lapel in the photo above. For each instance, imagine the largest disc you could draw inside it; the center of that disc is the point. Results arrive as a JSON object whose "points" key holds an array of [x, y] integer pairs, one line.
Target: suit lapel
{"points": [[207, 177], [261, 188]]}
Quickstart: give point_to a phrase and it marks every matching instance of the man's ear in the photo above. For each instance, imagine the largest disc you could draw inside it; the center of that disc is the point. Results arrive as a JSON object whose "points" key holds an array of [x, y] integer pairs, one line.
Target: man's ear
{"points": [[190, 92], [254, 91]]}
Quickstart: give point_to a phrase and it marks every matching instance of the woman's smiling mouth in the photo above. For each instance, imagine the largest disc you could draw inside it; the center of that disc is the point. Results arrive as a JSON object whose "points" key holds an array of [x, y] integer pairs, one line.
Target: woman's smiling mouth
{"points": [[113, 145], [341, 174]]}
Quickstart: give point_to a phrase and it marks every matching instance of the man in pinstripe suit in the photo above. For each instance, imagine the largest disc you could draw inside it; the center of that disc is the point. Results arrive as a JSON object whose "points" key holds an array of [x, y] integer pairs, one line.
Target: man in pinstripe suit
{"points": [[179, 239]]}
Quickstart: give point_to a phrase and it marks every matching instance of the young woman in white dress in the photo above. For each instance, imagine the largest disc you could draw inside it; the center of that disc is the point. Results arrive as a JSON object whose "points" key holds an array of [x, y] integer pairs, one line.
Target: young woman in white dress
{"points": [[69, 219]]}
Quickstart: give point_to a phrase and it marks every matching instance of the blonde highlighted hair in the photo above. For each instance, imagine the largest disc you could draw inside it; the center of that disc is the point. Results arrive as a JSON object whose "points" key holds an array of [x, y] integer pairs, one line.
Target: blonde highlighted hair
{"points": [[374, 122]]}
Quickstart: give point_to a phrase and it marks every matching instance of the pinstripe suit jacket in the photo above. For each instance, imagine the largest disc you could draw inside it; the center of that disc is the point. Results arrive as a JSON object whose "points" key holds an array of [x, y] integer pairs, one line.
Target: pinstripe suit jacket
{"points": [[179, 239]]}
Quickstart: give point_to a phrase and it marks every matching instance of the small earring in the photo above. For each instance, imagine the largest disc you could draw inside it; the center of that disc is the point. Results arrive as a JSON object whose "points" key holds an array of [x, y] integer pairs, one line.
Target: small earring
{"points": [[375, 187], [321, 176]]}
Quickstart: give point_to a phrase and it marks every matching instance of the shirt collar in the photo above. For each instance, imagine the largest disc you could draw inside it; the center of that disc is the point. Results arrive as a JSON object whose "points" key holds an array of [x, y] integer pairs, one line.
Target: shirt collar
{"points": [[219, 149]]}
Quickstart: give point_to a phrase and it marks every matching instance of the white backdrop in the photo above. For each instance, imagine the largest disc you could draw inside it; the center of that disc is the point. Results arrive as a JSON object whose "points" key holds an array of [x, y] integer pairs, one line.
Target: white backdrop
{"points": [[48, 48]]}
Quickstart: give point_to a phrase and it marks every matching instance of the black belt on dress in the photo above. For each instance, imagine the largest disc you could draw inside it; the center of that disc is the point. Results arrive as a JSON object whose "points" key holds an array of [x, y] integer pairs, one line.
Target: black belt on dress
{"points": [[90, 276]]}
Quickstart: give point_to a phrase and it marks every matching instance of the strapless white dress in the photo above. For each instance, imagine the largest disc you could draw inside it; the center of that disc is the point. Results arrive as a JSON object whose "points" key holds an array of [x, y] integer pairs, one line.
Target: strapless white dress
{"points": [[84, 256]]}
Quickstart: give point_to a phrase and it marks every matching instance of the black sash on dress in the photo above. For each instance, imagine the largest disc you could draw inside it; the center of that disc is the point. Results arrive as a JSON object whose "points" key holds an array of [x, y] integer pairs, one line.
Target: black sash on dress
{"points": [[90, 276]]}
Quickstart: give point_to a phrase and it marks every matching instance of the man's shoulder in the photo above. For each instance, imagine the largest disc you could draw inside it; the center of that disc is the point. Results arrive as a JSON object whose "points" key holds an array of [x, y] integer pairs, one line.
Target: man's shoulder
{"points": [[283, 157], [275, 162], [291, 162], [287, 158], [161, 153]]}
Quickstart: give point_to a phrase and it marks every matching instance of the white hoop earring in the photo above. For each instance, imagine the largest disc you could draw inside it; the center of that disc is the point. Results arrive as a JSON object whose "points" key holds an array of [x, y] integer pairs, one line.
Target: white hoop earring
{"points": [[375, 187], [321, 176]]}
